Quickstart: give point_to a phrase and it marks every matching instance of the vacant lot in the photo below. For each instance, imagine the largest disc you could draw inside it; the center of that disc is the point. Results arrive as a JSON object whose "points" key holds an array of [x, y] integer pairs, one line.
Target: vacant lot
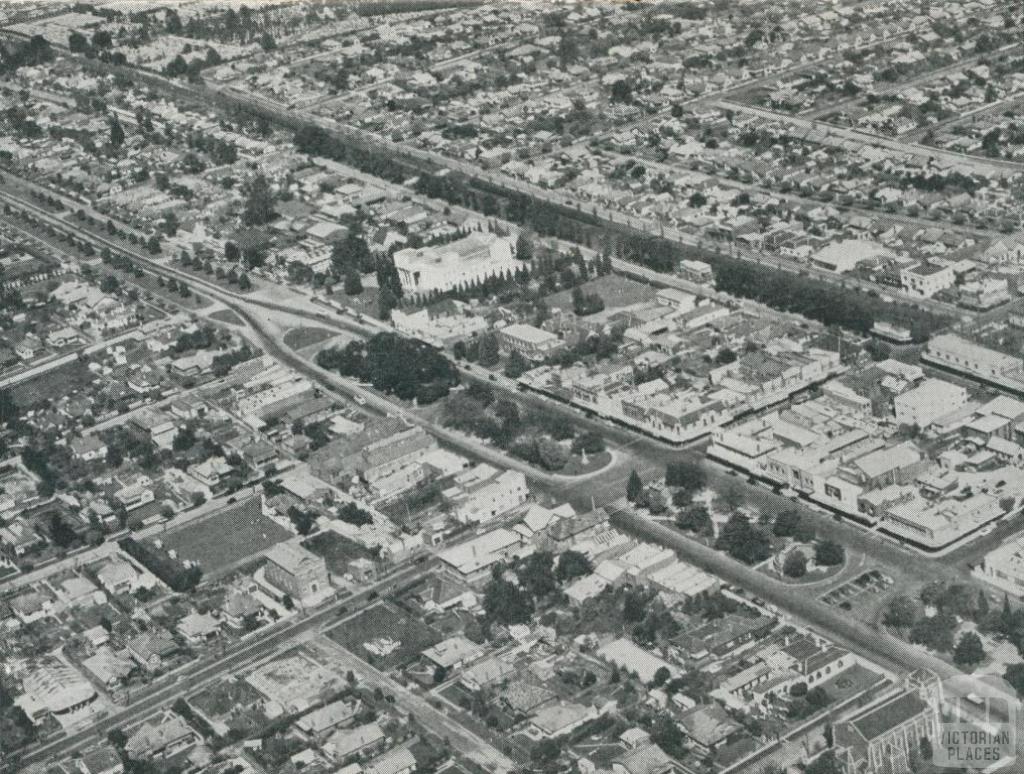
{"points": [[56, 383], [614, 290], [384, 621], [225, 537]]}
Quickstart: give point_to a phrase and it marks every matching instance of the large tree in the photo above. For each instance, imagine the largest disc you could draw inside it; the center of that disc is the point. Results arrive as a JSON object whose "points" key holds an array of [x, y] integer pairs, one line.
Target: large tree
{"points": [[352, 253], [743, 541], [969, 651], [116, 133], [634, 486], [353, 282], [685, 474], [537, 574], [795, 565], [829, 553], [572, 564], [505, 602], [259, 202]]}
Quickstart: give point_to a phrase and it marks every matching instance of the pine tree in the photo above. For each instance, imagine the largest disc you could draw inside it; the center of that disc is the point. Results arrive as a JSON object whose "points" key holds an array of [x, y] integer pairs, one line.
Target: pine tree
{"points": [[116, 133], [634, 486], [353, 282], [259, 202], [386, 301]]}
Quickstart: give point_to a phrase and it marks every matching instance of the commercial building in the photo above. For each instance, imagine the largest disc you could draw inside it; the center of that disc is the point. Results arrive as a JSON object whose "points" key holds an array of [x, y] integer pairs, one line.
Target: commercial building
{"points": [[958, 354], [834, 451], [482, 493], [53, 687], [924, 404], [696, 271], [924, 280], [474, 558], [1003, 567], [753, 381], [846, 255], [441, 324], [465, 262], [297, 572], [530, 342]]}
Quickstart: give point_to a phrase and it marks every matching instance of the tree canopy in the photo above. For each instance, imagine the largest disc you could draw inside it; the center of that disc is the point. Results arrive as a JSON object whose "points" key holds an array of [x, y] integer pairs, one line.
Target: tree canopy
{"points": [[406, 368]]}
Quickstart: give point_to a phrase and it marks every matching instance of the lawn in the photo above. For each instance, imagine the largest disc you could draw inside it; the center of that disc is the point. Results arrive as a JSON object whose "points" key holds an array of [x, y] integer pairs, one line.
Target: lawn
{"points": [[614, 290], [850, 682], [227, 536], [575, 466], [382, 621], [337, 550], [300, 338], [227, 316]]}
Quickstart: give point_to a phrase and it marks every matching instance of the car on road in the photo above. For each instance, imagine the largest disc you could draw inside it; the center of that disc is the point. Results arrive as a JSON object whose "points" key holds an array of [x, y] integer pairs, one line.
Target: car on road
{"points": [[360, 400], [987, 530]]}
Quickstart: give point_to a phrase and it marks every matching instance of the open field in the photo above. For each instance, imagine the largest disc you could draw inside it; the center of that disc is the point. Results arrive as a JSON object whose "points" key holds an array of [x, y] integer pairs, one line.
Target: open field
{"points": [[226, 537], [614, 290]]}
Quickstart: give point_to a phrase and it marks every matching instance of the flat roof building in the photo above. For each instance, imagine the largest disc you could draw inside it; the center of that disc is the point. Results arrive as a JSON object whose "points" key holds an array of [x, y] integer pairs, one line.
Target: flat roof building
{"points": [[465, 262]]}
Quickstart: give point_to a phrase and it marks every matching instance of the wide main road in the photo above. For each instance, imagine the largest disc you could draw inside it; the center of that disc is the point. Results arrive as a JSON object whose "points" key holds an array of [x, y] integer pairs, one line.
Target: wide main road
{"points": [[889, 652], [261, 645], [420, 157], [841, 135], [636, 451]]}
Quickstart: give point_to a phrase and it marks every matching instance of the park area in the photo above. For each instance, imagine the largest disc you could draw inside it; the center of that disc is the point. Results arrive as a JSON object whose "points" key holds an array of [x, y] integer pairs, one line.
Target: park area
{"points": [[398, 635], [226, 536], [300, 338]]}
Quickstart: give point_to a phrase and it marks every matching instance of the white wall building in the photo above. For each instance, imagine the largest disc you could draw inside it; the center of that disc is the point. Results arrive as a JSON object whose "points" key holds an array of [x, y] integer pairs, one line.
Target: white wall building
{"points": [[924, 404], [466, 261], [482, 493], [1004, 567], [925, 279]]}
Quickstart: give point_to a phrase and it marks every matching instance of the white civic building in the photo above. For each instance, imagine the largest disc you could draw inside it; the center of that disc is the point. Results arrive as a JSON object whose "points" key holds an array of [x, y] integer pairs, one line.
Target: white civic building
{"points": [[472, 259]]}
